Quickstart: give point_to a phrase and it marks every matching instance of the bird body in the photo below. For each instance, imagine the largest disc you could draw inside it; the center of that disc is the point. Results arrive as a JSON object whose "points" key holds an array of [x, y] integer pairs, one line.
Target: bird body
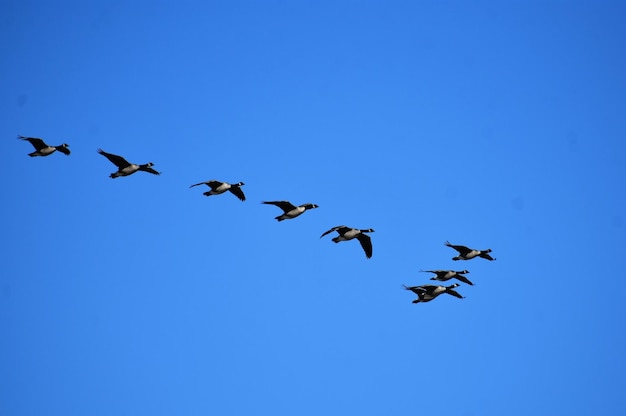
{"points": [[347, 234], [42, 149], [445, 275], [126, 168], [218, 187], [426, 293], [466, 253], [290, 211]]}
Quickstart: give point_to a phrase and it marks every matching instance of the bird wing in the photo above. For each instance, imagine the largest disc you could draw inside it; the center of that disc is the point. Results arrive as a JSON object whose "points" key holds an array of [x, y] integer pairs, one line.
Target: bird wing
{"points": [[332, 229], [284, 205], [214, 184], [428, 289], [463, 279], [118, 161], [418, 290], [454, 293], [201, 183], [37, 143], [461, 249], [486, 256], [236, 190], [149, 170], [366, 243], [415, 289]]}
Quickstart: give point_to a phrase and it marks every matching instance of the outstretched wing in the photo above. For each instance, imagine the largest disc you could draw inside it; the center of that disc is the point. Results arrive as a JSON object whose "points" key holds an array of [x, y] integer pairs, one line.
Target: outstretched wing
{"points": [[148, 169], [455, 293], [461, 249], [37, 143], [236, 190], [418, 290], [118, 161], [366, 243], [332, 229], [486, 256], [463, 279], [212, 183], [284, 205]]}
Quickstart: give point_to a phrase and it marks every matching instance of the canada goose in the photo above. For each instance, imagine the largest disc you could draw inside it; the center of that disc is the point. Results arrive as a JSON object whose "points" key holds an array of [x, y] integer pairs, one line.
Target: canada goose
{"points": [[124, 167], [426, 293], [291, 211], [445, 275], [468, 253], [347, 233], [218, 187], [42, 149]]}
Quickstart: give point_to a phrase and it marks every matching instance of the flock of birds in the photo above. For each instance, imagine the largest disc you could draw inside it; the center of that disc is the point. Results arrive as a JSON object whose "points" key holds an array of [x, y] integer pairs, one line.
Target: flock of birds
{"points": [[425, 293]]}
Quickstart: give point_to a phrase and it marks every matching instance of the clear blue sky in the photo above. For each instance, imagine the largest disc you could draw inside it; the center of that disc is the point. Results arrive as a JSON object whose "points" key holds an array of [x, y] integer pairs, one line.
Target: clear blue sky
{"points": [[490, 124]]}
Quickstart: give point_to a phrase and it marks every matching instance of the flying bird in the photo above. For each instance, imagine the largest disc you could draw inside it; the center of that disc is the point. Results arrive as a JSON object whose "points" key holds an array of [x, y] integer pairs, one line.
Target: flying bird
{"points": [[445, 275], [42, 149], [426, 293], [124, 167], [347, 233], [290, 210], [468, 253], [218, 187]]}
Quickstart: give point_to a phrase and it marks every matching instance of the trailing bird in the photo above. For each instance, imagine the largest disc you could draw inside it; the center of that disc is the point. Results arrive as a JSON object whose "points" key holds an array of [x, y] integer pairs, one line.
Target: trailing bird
{"points": [[42, 149], [290, 210], [124, 167], [426, 293], [468, 253], [445, 275], [218, 187], [347, 233]]}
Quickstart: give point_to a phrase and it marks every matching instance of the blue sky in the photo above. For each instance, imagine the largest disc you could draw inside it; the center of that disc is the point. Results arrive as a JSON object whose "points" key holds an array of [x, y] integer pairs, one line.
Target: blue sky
{"points": [[489, 124]]}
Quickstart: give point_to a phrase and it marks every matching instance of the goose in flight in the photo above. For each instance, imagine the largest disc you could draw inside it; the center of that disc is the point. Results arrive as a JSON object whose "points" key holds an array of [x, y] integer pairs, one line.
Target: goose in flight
{"points": [[466, 253], [218, 187], [124, 168], [347, 233], [290, 210], [426, 293], [42, 149], [445, 275]]}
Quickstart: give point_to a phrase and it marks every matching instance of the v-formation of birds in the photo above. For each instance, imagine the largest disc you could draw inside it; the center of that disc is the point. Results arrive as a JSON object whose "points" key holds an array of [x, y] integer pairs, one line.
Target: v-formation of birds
{"points": [[425, 293]]}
